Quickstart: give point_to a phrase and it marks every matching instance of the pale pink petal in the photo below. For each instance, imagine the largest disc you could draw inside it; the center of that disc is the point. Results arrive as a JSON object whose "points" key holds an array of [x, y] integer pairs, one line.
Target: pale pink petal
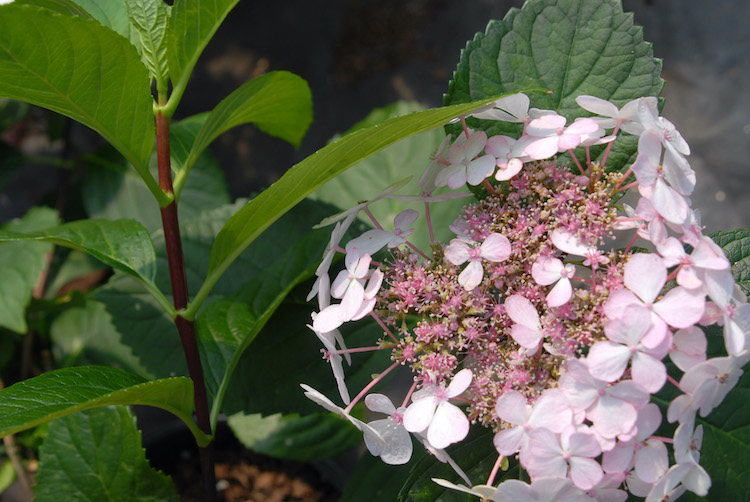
{"points": [[546, 270], [365, 308], [499, 146], [630, 328], [680, 307], [583, 444], [457, 252], [585, 473], [328, 319], [672, 206], [352, 300], [373, 285], [651, 461], [618, 301], [418, 415], [457, 178], [551, 411], [612, 416], [495, 248], [565, 241], [380, 404], [545, 125], [459, 384], [608, 360], [560, 294], [475, 144], [648, 372], [645, 275], [445, 176], [480, 169], [521, 311], [543, 148], [509, 441], [405, 218], [568, 141], [448, 426], [340, 284], [507, 171], [527, 337], [471, 276], [689, 348], [511, 407], [597, 105]]}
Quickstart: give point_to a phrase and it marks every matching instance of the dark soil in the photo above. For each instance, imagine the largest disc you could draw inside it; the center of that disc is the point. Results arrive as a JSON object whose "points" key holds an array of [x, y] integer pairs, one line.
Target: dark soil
{"points": [[241, 475]]}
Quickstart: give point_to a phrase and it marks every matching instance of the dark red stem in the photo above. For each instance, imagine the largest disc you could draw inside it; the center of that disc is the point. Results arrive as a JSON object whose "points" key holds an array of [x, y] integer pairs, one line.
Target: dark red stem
{"points": [[185, 327]]}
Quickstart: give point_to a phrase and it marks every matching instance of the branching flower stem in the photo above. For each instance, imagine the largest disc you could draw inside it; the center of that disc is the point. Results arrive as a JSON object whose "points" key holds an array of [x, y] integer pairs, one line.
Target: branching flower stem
{"points": [[185, 327]]}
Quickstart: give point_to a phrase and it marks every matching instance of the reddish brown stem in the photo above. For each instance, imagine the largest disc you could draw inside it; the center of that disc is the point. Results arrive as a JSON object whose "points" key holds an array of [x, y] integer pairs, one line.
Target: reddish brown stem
{"points": [[186, 328]]}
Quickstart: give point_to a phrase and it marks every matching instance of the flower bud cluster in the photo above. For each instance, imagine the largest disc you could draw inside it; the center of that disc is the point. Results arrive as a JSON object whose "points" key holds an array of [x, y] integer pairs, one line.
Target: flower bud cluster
{"points": [[532, 320]]}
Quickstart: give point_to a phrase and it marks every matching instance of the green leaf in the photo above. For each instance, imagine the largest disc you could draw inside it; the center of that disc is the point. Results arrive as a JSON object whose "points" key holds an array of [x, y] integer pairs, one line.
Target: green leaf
{"points": [[408, 157], [20, 266], [312, 437], [476, 455], [227, 326], [249, 222], [61, 392], [85, 336], [97, 455], [286, 254], [122, 244], [373, 479], [736, 245], [83, 70], [65, 7], [140, 323], [286, 353], [149, 17], [112, 191], [191, 26], [278, 103], [113, 15], [569, 47]]}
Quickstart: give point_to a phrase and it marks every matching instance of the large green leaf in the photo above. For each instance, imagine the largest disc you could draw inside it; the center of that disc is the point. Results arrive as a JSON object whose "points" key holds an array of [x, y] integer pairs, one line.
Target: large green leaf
{"points": [[278, 103], [122, 244], [736, 245], [111, 190], [97, 455], [191, 26], [569, 47], [79, 68], [137, 321], [149, 18], [408, 157], [62, 392], [312, 437], [65, 7], [373, 479], [84, 335], [113, 15], [249, 222], [287, 353], [476, 455], [285, 255], [20, 266]]}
